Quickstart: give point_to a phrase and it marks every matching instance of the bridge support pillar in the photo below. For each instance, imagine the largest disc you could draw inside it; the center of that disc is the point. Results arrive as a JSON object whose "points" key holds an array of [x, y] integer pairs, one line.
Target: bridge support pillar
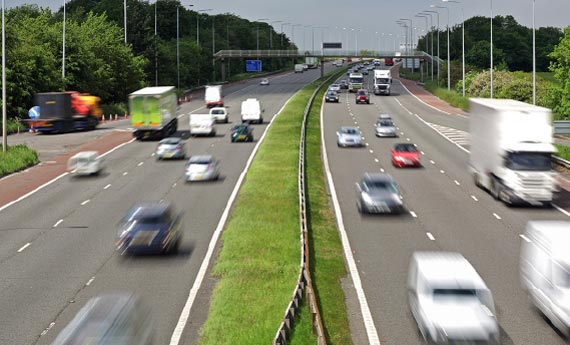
{"points": [[421, 70], [322, 67], [223, 64]]}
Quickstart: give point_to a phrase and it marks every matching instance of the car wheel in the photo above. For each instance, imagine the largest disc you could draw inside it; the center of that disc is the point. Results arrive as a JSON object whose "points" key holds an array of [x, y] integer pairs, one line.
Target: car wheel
{"points": [[174, 249], [227, 120]]}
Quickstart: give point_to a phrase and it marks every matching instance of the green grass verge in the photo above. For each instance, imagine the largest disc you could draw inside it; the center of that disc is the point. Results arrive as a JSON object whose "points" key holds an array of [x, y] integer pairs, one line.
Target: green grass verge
{"points": [[16, 158], [563, 151], [12, 126], [548, 76], [452, 97]]}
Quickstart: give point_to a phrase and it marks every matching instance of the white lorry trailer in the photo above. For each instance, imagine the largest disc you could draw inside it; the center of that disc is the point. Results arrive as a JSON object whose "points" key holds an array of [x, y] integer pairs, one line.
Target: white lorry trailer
{"points": [[382, 81], [355, 82], [251, 111], [545, 270], [511, 148], [213, 96]]}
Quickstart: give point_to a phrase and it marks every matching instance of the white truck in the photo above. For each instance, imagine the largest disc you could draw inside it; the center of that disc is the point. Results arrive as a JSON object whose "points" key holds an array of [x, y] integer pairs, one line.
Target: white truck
{"points": [[545, 270], [355, 81], [213, 96], [251, 111], [312, 62], [202, 124], [299, 68], [382, 81], [511, 149]]}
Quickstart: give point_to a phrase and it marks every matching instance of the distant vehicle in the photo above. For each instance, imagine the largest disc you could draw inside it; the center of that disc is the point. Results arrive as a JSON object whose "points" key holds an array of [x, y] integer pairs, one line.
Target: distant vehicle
{"points": [[109, 319], [213, 96], [251, 111], [85, 163], [334, 87], [150, 228], [220, 114], [243, 132], [449, 301], [386, 128], [202, 124], [68, 111], [170, 148], [397, 54], [349, 136], [299, 68], [404, 155], [385, 117], [343, 84], [202, 168], [153, 112], [364, 71], [264, 81], [545, 270], [382, 81], [332, 96], [376, 62], [312, 62], [365, 63], [362, 96], [355, 81], [388, 62], [511, 150], [305, 67], [378, 193]]}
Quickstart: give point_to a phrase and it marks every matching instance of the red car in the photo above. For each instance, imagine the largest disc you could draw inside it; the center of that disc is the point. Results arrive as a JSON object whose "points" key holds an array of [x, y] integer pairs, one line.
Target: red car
{"points": [[404, 155], [388, 62], [362, 96]]}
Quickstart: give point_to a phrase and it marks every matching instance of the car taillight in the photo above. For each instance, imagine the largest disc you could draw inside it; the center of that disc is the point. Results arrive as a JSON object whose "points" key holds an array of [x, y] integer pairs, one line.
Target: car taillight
{"points": [[179, 147]]}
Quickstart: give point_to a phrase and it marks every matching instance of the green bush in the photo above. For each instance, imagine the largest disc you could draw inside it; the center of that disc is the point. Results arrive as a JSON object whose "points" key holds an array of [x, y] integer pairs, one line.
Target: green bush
{"points": [[17, 158], [114, 108], [452, 97], [563, 151], [12, 126]]}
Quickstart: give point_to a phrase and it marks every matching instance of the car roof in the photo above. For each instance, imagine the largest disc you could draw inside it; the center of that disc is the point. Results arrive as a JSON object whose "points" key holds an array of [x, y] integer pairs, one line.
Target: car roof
{"points": [[377, 177], [170, 140], [201, 159], [449, 269], [86, 154], [146, 210]]}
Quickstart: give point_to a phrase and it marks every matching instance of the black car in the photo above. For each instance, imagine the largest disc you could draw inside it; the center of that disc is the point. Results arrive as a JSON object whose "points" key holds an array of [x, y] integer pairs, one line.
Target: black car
{"points": [[364, 71], [149, 228], [343, 84], [243, 132], [332, 96]]}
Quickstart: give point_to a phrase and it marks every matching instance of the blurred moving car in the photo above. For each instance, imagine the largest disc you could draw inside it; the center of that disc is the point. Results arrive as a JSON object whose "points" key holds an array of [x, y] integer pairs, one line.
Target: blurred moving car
{"points": [[264, 81], [334, 87], [243, 132], [149, 228], [220, 114], [343, 84], [332, 96], [404, 155], [170, 148], [449, 301], [202, 168], [386, 128], [109, 319], [362, 96], [85, 163], [545, 270], [364, 71], [385, 117], [378, 193], [349, 136]]}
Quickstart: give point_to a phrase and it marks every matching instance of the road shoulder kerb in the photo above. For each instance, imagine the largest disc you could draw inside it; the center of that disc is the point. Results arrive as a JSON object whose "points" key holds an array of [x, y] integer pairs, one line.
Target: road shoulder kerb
{"points": [[17, 185]]}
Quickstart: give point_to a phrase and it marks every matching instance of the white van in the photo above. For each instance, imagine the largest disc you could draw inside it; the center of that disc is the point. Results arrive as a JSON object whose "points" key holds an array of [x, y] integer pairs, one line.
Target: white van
{"points": [[202, 124], [251, 111], [545, 270], [449, 300], [299, 68], [220, 114], [213, 96], [85, 163]]}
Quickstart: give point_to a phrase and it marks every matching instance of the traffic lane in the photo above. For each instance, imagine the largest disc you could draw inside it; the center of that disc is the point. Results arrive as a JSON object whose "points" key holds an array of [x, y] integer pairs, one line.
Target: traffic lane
{"points": [[382, 244], [488, 242], [196, 204]]}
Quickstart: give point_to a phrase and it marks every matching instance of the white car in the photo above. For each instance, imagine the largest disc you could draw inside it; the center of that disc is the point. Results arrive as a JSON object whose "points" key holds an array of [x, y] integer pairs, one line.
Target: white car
{"points": [[220, 114], [264, 81], [85, 163], [334, 87], [202, 168]]}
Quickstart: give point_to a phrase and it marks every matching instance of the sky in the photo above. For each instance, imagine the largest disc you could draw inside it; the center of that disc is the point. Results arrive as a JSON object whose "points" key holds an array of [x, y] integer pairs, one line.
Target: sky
{"points": [[369, 18]]}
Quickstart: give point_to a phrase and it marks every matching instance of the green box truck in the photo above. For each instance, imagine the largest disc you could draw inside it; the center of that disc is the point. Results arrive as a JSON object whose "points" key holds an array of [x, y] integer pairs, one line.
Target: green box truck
{"points": [[153, 112]]}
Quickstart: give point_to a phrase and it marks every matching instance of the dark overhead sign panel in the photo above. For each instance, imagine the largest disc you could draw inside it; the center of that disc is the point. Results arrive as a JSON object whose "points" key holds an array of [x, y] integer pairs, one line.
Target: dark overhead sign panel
{"points": [[332, 45]]}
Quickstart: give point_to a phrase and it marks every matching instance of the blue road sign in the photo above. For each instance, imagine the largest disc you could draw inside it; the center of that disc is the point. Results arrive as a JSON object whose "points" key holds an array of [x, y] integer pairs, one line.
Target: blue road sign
{"points": [[34, 112], [253, 65]]}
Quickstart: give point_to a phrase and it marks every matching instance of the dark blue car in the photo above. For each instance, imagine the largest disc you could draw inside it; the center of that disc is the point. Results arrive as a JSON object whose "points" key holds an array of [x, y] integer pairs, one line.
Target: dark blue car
{"points": [[149, 228]]}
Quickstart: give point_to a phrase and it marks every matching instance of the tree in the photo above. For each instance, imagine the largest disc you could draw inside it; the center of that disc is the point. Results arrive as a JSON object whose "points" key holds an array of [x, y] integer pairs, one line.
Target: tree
{"points": [[561, 68]]}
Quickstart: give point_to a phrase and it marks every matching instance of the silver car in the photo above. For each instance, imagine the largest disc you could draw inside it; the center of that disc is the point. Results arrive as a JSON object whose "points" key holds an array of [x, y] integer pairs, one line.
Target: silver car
{"points": [[202, 168], [378, 193], [170, 148], [349, 136], [386, 128], [334, 87], [264, 81]]}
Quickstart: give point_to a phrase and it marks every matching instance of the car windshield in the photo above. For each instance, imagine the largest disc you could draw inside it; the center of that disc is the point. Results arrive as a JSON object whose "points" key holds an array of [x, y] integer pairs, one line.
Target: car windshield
{"points": [[380, 185], [240, 128], [528, 161], [362, 93], [356, 80], [200, 160], [331, 94], [382, 80], [334, 85], [217, 111], [385, 123], [406, 148], [454, 293], [172, 141], [349, 131]]}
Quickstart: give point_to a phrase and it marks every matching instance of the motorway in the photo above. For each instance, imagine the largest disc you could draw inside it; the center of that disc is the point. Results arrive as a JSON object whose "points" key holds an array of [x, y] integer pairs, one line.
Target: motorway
{"points": [[445, 212], [57, 246]]}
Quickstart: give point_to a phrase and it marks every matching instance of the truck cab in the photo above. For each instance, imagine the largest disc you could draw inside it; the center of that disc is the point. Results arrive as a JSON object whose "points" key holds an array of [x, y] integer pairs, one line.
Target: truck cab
{"points": [[382, 81], [213, 96], [355, 81]]}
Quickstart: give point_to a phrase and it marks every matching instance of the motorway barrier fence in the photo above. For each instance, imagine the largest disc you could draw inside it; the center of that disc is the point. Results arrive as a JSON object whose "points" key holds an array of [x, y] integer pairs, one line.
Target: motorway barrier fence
{"points": [[561, 127]]}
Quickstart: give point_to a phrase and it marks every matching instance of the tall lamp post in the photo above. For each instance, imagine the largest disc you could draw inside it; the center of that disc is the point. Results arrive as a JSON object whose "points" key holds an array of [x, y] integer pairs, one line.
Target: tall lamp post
{"points": [[177, 43], [431, 31], [533, 57], [63, 52], [448, 57], [426, 36], [438, 56], [491, 71], [293, 33], [304, 37], [198, 24], [258, 20], [405, 26], [462, 42], [411, 39], [125, 20], [4, 117]]}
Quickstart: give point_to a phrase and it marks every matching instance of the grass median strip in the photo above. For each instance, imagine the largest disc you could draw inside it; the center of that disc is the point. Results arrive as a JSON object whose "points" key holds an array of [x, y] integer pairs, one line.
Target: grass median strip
{"points": [[16, 158]]}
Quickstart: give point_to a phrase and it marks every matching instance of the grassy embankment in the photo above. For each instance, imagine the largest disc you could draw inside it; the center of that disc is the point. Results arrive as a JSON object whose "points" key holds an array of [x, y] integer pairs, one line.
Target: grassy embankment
{"points": [[259, 261], [16, 158]]}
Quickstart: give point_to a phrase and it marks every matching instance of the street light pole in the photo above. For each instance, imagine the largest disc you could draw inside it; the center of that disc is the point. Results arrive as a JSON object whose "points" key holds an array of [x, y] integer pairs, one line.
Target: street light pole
{"points": [[533, 57], [438, 56], [125, 21], [4, 117], [271, 33], [448, 57], [198, 24], [63, 53], [304, 37], [426, 36], [258, 20], [491, 48], [431, 32], [155, 47], [462, 42], [282, 24]]}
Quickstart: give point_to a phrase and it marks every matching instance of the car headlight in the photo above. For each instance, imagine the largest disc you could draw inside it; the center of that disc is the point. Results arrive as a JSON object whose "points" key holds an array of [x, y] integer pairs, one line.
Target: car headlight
{"points": [[397, 199], [366, 198]]}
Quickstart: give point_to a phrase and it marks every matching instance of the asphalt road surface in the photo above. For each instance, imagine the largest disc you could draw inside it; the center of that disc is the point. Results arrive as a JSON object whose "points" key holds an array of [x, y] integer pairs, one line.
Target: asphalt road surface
{"points": [[57, 246], [445, 212]]}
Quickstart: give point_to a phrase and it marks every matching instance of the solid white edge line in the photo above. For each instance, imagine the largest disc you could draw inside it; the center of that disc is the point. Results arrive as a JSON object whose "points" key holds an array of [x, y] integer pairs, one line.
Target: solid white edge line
{"points": [[429, 105], [474, 198], [525, 238], [182, 321], [364, 308], [24, 247], [430, 236]]}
